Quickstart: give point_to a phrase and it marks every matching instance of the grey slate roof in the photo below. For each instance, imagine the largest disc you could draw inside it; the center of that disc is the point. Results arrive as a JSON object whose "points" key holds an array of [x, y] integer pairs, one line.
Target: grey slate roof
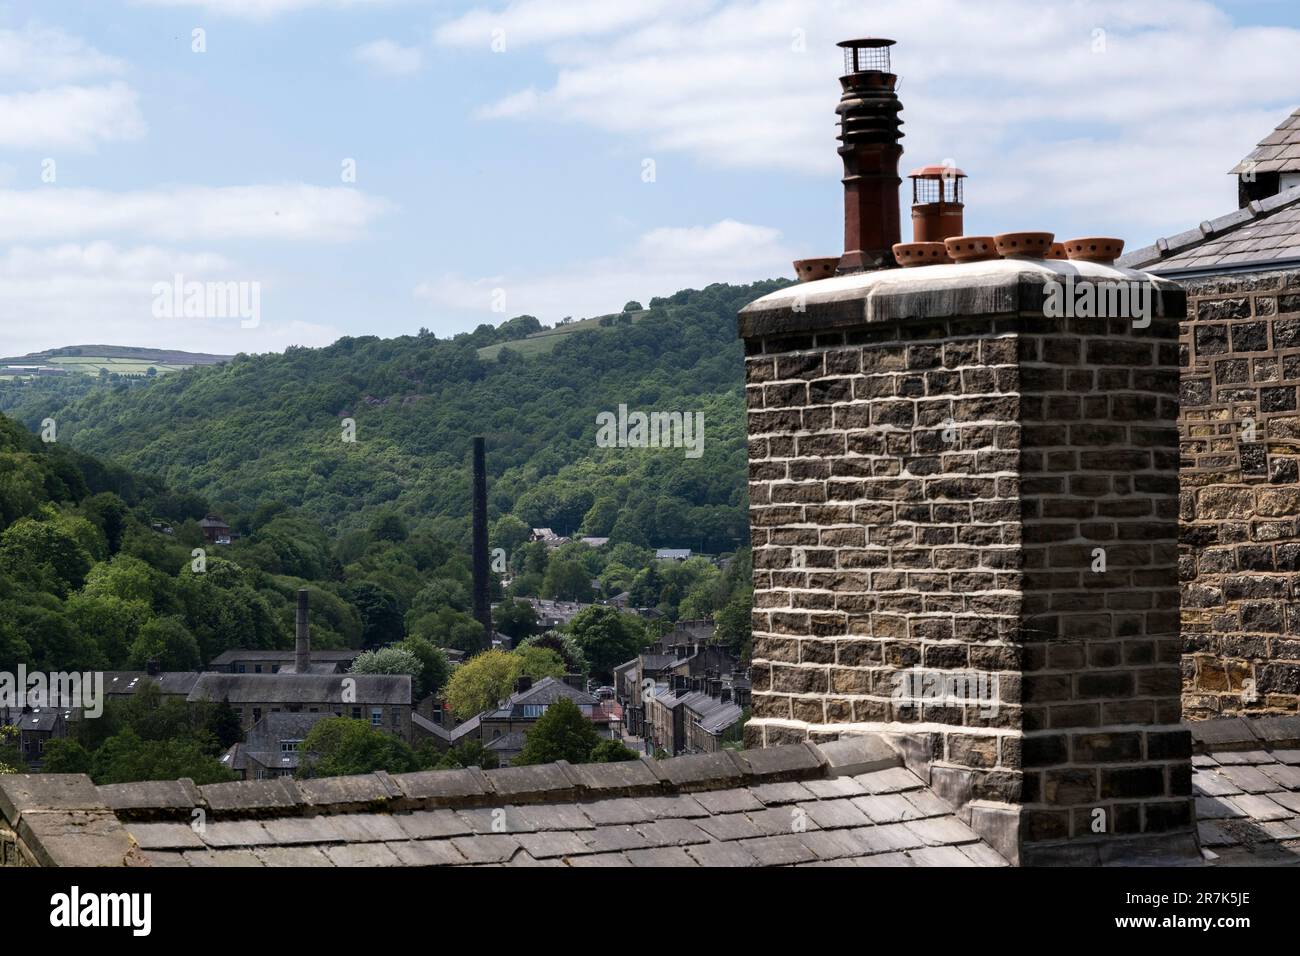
{"points": [[511, 743], [430, 727], [1278, 152], [792, 805], [301, 688], [1263, 234], [546, 691], [128, 682], [465, 731], [1246, 777], [715, 715]]}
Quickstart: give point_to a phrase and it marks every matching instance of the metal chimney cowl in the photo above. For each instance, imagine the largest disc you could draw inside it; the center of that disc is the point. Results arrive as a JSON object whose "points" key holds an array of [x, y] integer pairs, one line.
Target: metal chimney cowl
{"points": [[870, 131]]}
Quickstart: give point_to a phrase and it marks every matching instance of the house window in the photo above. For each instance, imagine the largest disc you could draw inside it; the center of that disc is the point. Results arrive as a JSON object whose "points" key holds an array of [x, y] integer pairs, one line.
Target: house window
{"points": [[356, 713], [534, 710], [241, 669], [257, 714], [377, 717], [257, 668], [275, 668], [289, 746]]}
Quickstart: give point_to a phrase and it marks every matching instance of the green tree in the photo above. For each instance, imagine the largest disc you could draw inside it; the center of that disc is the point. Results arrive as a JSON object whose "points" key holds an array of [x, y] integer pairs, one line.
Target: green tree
{"points": [[167, 641], [388, 526], [340, 746], [434, 668], [44, 554], [482, 681], [468, 753], [388, 660], [540, 662], [381, 616], [65, 756], [562, 733], [125, 758], [516, 619], [224, 725], [607, 637], [612, 751], [509, 533], [566, 581]]}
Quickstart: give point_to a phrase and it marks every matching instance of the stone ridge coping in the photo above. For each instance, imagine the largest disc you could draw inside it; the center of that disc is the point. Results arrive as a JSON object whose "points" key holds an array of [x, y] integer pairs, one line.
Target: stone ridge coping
{"points": [[1220, 734], [26, 794], [998, 287]]}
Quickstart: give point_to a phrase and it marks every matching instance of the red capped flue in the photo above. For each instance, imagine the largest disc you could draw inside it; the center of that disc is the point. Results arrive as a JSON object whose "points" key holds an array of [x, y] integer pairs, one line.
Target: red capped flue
{"points": [[938, 202]]}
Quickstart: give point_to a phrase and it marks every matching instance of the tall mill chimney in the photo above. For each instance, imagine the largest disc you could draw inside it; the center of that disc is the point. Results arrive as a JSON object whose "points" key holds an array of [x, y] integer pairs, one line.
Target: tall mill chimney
{"points": [[302, 637], [869, 137], [482, 607]]}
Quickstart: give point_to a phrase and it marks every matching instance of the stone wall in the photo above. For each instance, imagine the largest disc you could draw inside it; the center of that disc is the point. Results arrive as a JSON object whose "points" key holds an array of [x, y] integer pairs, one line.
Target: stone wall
{"points": [[1240, 548], [989, 498]]}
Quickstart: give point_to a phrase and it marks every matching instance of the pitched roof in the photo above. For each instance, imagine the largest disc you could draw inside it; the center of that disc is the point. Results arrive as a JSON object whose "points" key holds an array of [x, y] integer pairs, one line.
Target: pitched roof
{"points": [[430, 727], [302, 688], [848, 803], [1263, 234], [263, 744], [1278, 152], [171, 682], [546, 691], [512, 742]]}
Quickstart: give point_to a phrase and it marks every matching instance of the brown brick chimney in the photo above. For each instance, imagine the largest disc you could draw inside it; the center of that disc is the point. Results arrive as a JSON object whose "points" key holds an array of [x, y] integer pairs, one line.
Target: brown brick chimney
{"points": [[869, 146]]}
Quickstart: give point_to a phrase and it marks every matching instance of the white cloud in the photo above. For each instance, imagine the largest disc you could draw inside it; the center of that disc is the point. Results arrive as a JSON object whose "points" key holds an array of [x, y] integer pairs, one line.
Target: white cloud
{"points": [[531, 22], [99, 292], [44, 102], [1120, 128], [70, 117], [39, 55], [661, 262], [393, 59], [257, 9], [292, 211]]}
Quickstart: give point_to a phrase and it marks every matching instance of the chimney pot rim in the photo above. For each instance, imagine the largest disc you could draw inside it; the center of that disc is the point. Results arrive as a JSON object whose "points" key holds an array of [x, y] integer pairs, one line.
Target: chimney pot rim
{"points": [[936, 171], [866, 43]]}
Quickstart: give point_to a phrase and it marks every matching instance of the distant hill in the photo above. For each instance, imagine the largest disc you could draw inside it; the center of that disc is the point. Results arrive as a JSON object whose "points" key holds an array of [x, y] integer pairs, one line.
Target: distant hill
{"points": [[261, 429], [539, 343], [123, 359]]}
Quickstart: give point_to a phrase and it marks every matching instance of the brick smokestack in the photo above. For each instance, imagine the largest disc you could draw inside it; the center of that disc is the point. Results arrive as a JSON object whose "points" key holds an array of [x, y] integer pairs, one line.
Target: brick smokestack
{"points": [[870, 130], [482, 606], [302, 636]]}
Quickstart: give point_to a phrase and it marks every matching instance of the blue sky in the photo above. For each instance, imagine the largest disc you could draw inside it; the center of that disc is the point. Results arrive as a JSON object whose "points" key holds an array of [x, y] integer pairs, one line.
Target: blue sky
{"points": [[501, 149]]}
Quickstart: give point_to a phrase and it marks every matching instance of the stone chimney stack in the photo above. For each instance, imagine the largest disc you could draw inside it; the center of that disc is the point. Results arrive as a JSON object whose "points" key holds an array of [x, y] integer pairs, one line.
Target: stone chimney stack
{"points": [[482, 598], [302, 636], [964, 517], [870, 130]]}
